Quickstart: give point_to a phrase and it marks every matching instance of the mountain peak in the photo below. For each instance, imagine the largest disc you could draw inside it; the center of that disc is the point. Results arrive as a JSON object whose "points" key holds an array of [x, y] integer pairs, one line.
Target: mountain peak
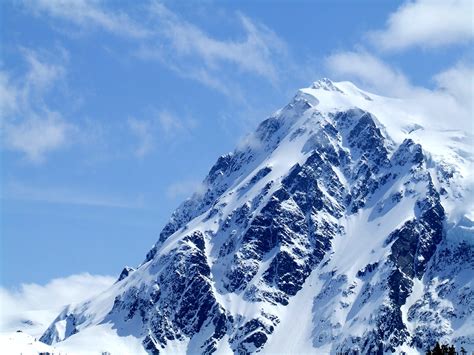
{"points": [[338, 206], [325, 84]]}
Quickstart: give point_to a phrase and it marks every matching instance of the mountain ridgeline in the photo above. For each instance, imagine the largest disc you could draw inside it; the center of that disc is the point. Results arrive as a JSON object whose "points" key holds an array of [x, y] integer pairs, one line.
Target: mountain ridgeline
{"points": [[333, 229]]}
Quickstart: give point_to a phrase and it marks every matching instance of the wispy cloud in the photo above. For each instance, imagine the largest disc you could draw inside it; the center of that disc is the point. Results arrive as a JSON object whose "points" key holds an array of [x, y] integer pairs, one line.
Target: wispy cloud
{"points": [[33, 307], [172, 124], [164, 36], [427, 24], [27, 124], [143, 131], [87, 14], [41, 74], [162, 126], [9, 96], [254, 53], [183, 189], [37, 135], [458, 81], [58, 195], [370, 70]]}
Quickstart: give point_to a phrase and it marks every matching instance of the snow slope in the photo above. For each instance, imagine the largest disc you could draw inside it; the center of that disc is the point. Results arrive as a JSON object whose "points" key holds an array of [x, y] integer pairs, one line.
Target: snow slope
{"points": [[346, 213], [22, 343]]}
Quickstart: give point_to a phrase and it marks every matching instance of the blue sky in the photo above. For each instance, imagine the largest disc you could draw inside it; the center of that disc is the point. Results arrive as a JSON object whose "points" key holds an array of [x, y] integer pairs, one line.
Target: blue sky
{"points": [[112, 112]]}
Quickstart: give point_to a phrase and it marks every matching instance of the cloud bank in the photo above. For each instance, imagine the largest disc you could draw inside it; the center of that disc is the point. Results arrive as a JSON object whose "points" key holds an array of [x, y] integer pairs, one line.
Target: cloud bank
{"points": [[32, 307]]}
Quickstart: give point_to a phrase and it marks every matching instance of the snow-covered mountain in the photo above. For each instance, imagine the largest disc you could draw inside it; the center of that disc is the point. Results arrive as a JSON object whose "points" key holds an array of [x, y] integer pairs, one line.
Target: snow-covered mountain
{"points": [[345, 222]]}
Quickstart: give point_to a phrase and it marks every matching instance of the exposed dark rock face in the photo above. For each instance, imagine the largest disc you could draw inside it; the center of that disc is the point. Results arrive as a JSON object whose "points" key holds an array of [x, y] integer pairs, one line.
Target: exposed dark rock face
{"points": [[127, 270]]}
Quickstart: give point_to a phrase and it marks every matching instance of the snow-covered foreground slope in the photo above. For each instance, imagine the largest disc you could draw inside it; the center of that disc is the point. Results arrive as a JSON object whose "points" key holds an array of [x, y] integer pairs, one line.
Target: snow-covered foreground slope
{"points": [[22, 343], [344, 223], [95, 340]]}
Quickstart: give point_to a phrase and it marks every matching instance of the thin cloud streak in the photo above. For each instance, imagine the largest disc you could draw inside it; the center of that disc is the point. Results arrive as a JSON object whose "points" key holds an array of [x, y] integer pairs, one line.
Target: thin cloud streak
{"points": [[87, 13], [57, 195]]}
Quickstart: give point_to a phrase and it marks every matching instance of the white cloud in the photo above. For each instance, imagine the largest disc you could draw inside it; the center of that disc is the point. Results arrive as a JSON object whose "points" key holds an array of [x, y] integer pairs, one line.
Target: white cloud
{"points": [[37, 136], [370, 70], [213, 62], [458, 81], [17, 96], [20, 191], [41, 75], [27, 124], [188, 70], [171, 124], [183, 189], [8, 96], [86, 13], [180, 45], [143, 130], [250, 141], [162, 126], [427, 24], [40, 304], [452, 97], [254, 53]]}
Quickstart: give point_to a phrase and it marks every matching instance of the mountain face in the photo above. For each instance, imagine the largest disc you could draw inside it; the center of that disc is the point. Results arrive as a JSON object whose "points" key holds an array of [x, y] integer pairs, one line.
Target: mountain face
{"points": [[341, 225]]}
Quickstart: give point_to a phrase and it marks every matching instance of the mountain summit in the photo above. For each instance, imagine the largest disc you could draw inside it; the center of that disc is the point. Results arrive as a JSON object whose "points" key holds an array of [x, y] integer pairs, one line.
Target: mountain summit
{"points": [[342, 224]]}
